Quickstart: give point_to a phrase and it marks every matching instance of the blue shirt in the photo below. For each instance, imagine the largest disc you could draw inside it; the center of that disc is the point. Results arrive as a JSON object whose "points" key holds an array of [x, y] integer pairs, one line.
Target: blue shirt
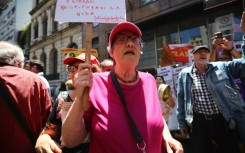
{"points": [[219, 79]]}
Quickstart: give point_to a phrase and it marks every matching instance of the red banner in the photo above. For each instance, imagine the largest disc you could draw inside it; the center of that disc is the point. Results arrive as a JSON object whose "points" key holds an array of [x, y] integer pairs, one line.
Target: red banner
{"points": [[180, 52]]}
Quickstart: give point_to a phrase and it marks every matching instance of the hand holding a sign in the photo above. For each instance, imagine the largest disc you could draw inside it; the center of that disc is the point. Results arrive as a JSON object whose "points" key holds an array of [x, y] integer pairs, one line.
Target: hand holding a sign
{"points": [[83, 79]]}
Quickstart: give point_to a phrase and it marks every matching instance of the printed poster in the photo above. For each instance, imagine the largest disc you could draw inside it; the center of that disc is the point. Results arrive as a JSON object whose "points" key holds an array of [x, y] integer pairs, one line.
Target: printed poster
{"points": [[166, 72]]}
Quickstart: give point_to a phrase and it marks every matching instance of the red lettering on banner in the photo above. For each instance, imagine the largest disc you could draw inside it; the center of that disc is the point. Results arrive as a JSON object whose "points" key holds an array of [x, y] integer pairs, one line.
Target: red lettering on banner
{"points": [[180, 53], [114, 8], [63, 7], [109, 18], [85, 13], [79, 1]]}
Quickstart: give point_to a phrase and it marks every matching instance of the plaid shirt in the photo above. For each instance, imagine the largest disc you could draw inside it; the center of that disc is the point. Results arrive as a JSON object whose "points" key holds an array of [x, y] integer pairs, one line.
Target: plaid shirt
{"points": [[203, 101]]}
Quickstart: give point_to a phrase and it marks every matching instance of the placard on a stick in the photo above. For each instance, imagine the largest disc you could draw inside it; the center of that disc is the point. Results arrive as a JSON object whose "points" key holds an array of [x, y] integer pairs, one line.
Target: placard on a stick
{"points": [[100, 11], [89, 11]]}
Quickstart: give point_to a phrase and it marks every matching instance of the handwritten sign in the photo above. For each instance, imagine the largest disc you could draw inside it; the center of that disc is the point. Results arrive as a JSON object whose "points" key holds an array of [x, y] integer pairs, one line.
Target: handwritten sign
{"points": [[100, 11]]}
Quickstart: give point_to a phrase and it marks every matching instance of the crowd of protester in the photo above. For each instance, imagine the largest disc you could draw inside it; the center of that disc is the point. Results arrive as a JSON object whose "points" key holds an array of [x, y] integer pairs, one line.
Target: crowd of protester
{"points": [[128, 110]]}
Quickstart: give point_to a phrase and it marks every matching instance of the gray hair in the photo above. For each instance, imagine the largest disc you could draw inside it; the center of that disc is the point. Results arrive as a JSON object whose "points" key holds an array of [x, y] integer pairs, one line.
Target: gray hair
{"points": [[11, 53], [106, 62]]}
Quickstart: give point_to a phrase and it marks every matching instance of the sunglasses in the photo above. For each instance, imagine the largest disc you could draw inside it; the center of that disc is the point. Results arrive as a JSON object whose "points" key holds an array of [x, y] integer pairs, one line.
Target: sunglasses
{"points": [[122, 39], [72, 68]]}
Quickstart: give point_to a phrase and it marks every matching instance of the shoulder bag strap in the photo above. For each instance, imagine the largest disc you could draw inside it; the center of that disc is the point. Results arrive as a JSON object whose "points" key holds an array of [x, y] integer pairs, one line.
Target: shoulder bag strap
{"points": [[136, 133], [9, 102]]}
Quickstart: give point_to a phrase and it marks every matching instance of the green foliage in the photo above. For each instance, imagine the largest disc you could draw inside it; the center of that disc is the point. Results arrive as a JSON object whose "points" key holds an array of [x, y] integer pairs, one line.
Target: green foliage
{"points": [[24, 36]]}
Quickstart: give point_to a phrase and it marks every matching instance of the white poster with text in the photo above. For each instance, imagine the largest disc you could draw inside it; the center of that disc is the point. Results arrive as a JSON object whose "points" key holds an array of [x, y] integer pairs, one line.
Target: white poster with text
{"points": [[98, 11]]}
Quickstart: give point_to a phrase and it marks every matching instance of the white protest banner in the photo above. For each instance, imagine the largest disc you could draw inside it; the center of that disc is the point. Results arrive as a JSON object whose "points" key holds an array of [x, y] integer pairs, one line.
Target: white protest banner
{"points": [[175, 73], [100, 11], [166, 72], [189, 57]]}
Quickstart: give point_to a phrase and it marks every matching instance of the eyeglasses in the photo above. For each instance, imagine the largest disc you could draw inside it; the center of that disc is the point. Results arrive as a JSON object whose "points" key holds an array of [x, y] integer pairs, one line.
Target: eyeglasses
{"points": [[122, 39], [72, 68]]}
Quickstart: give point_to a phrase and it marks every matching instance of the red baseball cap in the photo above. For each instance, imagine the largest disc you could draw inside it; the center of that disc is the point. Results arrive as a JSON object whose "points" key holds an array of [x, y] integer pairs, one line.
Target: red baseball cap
{"points": [[124, 26], [81, 57]]}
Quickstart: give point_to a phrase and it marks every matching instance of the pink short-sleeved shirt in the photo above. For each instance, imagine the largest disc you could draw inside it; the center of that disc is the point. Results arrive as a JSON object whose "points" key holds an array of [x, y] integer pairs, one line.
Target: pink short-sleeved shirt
{"points": [[110, 128]]}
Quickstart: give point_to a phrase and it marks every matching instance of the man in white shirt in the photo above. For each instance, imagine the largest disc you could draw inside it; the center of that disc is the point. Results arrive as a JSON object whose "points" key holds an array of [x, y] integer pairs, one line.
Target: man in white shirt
{"points": [[37, 67]]}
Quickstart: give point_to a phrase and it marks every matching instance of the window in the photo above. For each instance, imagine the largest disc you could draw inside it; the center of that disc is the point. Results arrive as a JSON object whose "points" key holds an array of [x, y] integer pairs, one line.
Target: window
{"points": [[194, 32], [72, 45], [55, 26], [45, 25], [36, 30], [10, 38], [145, 2], [95, 43], [43, 58], [55, 23], [53, 61], [13, 10], [175, 40], [148, 58], [192, 36], [95, 24]]}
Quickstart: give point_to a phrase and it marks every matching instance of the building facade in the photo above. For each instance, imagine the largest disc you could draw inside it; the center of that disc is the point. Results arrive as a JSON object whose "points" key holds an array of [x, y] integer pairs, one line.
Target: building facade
{"points": [[161, 21], [49, 36], [13, 18], [182, 22]]}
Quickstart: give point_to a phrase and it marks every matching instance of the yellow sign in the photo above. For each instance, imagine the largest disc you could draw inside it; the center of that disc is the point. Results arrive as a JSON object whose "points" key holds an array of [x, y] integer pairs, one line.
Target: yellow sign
{"points": [[73, 52]]}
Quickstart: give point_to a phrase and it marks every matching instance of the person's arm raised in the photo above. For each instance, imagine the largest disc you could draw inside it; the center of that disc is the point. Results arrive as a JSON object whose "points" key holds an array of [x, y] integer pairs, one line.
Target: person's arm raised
{"points": [[242, 25], [73, 128], [228, 47]]}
